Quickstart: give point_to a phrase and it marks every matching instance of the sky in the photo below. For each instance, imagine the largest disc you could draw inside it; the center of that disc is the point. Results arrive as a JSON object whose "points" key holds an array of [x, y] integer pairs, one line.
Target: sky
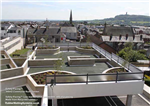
{"points": [[81, 9]]}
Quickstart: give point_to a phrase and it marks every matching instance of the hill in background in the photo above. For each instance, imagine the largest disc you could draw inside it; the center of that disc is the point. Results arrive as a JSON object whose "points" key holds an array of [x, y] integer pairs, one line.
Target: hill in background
{"points": [[125, 20]]}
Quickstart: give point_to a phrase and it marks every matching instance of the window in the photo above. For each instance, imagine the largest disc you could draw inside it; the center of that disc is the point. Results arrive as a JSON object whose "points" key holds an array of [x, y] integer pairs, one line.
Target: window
{"points": [[10, 31]]}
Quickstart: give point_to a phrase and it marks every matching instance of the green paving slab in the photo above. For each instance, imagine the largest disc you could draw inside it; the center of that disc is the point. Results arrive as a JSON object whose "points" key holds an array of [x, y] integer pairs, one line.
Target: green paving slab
{"points": [[63, 55], [6, 66], [19, 94]]}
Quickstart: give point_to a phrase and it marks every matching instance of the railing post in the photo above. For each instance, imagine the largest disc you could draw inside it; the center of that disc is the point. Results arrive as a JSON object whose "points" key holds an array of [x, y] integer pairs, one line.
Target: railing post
{"points": [[46, 79], [87, 78], [143, 76], [68, 46], [116, 77], [54, 79]]}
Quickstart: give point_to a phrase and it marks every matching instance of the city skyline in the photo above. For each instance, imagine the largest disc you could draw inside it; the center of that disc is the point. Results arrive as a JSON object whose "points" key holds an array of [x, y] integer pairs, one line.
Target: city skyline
{"points": [[61, 10]]}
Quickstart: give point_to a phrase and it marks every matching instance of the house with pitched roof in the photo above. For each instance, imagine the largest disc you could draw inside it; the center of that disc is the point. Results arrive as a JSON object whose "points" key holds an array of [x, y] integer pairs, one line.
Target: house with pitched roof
{"points": [[117, 36], [52, 34]]}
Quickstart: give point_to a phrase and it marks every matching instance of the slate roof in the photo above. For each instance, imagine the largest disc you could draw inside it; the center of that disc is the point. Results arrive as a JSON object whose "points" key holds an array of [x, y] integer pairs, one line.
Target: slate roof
{"points": [[52, 31], [69, 29], [118, 30], [40, 31], [5, 25], [44, 31], [31, 31], [14, 28]]}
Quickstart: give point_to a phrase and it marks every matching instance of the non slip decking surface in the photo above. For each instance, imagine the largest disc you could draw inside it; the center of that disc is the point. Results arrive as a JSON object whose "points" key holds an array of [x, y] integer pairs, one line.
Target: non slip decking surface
{"points": [[97, 68]]}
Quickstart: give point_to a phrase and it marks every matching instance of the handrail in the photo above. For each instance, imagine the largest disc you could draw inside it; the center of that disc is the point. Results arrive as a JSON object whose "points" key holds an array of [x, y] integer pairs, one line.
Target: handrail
{"points": [[107, 77], [68, 44], [116, 58]]}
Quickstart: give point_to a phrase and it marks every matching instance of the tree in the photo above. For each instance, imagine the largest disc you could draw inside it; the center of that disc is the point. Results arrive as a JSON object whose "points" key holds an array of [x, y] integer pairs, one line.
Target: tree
{"points": [[59, 63], [131, 55]]}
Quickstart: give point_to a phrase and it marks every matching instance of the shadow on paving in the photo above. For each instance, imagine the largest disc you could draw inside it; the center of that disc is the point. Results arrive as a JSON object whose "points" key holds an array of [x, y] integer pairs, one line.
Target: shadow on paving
{"points": [[95, 101]]}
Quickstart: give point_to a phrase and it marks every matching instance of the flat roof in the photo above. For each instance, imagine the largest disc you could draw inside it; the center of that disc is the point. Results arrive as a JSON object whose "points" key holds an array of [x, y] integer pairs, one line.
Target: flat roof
{"points": [[97, 68]]}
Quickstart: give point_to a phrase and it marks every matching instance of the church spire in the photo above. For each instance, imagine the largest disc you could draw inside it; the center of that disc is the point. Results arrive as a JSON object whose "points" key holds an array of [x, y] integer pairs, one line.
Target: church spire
{"points": [[71, 17]]}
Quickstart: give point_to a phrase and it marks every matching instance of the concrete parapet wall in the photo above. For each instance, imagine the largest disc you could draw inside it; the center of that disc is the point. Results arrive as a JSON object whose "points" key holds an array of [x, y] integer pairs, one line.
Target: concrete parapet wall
{"points": [[2, 52], [88, 51], [34, 87], [11, 61], [25, 66], [19, 61], [84, 60], [13, 82], [5, 61], [7, 73], [43, 62], [47, 51]]}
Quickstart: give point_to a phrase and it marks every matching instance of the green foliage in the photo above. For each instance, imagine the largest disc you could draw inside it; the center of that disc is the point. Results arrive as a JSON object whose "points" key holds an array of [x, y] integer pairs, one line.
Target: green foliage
{"points": [[131, 55], [129, 44], [147, 82], [142, 51], [58, 64], [20, 52]]}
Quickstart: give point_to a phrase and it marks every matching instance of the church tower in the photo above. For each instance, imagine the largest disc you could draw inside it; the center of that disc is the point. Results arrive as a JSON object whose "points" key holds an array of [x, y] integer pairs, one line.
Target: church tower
{"points": [[71, 17]]}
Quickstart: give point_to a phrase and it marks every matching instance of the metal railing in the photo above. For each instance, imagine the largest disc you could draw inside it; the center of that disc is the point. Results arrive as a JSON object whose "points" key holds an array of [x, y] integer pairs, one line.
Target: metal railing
{"points": [[90, 78], [65, 44], [117, 59]]}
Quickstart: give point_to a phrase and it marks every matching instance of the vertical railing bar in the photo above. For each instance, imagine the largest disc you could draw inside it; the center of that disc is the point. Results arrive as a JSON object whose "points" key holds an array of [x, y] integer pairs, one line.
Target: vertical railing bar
{"points": [[54, 79], [116, 77], [46, 79], [87, 78]]}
